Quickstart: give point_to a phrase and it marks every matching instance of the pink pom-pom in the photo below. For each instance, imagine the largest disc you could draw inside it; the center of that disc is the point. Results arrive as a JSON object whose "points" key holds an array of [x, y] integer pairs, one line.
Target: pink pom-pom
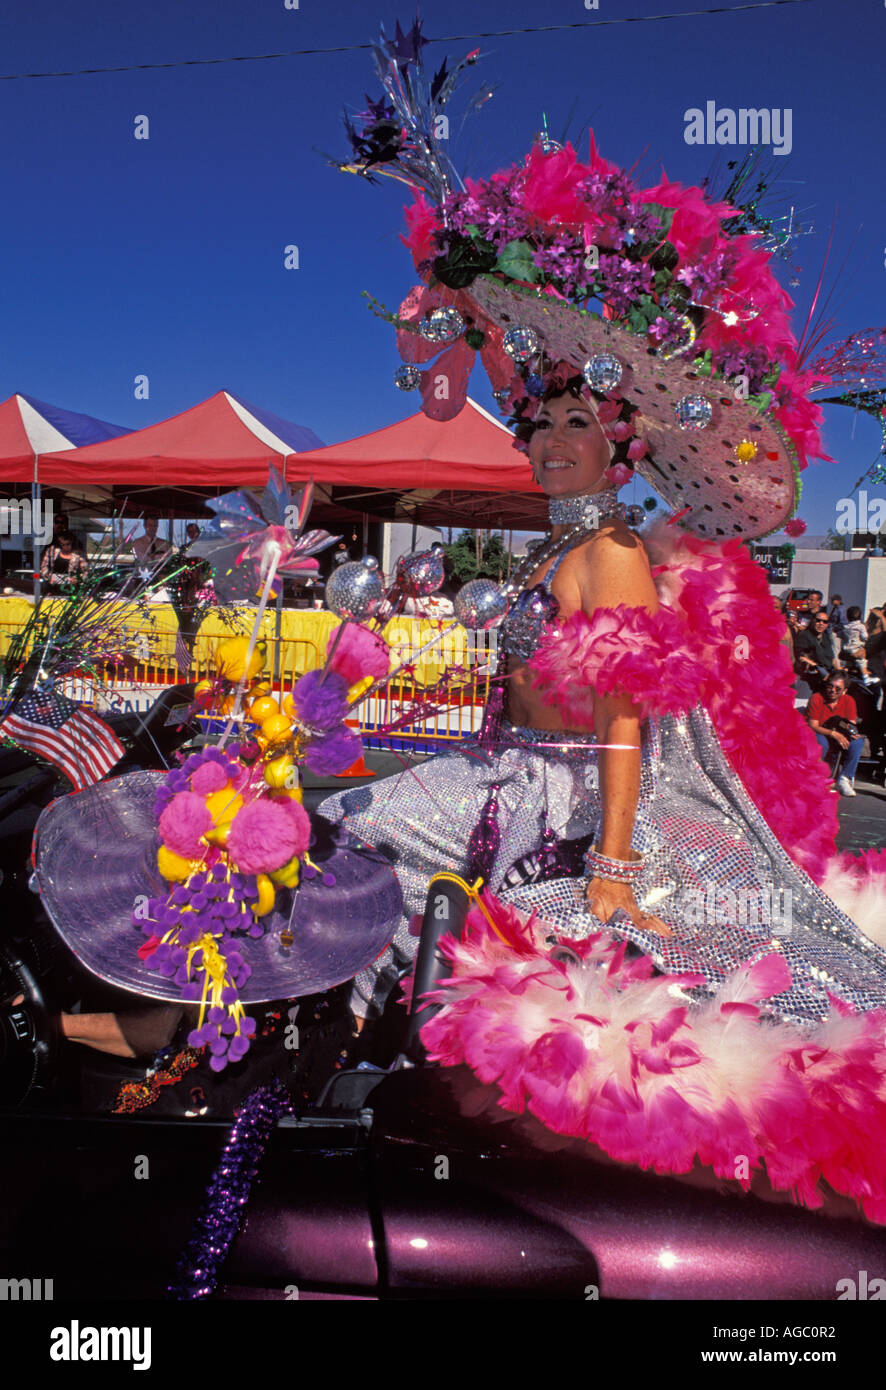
{"points": [[359, 653], [208, 778], [300, 820], [263, 837], [183, 824], [795, 527]]}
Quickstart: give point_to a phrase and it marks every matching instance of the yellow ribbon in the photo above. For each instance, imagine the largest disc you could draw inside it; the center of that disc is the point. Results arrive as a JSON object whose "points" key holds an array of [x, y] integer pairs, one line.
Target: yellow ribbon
{"points": [[473, 893]]}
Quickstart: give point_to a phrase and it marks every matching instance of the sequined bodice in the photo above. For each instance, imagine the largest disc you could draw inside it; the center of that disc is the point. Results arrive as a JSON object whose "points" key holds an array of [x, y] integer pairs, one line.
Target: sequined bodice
{"points": [[522, 628]]}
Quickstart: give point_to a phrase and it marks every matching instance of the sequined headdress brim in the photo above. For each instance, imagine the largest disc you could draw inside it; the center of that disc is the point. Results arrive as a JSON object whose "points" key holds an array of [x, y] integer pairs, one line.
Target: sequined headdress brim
{"points": [[698, 471]]}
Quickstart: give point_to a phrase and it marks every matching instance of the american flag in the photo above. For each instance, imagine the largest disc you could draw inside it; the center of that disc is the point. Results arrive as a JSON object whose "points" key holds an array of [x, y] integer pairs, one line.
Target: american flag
{"points": [[66, 734]]}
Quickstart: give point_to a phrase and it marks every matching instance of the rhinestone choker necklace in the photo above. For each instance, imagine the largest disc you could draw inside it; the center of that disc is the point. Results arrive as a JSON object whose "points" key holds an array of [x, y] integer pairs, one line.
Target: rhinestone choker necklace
{"points": [[587, 510]]}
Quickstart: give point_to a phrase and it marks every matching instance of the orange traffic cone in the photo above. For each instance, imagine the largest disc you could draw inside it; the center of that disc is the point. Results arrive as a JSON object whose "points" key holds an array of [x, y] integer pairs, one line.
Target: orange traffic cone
{"points": [[359, 768]]}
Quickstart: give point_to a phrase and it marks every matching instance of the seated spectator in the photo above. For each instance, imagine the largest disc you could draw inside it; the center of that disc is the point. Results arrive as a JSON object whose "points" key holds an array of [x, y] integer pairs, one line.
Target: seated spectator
{"points": [[815, 651], [62, 565], [832, 718]]}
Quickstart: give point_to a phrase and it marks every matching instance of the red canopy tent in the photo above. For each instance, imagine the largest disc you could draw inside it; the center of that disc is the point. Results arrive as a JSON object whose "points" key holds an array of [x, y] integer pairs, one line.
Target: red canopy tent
{"points": [[460, 472], [463, 471]]}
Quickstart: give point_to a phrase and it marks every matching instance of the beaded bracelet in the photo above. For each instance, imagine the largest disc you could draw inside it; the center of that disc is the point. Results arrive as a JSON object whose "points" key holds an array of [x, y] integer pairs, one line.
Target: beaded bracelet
{"points": [[617, 870]]}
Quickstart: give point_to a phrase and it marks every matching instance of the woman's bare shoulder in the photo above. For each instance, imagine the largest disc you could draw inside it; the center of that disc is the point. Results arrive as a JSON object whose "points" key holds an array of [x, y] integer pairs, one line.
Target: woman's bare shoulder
{"points": [[612, 567]]}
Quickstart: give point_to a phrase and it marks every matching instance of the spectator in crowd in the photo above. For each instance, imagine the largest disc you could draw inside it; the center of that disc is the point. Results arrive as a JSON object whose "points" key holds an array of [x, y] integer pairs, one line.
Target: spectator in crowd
{"points": [[148, 548], [341, 555], [875, 646], [855, 636], [837, 614], [813, 603], [62, 565], [192, 532], [832, 718], [59, 527], [816, 651]]}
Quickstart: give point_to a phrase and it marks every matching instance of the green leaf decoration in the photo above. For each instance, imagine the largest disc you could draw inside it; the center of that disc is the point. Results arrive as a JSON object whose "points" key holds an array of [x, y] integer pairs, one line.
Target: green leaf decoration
{"points": [[516, 261], [665, 257], [664, 215], [464, 261]]}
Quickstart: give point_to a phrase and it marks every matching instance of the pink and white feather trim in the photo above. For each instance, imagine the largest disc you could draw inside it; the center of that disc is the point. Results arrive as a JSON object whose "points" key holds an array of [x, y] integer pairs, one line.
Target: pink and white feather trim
{"points": [[606, 1051]]}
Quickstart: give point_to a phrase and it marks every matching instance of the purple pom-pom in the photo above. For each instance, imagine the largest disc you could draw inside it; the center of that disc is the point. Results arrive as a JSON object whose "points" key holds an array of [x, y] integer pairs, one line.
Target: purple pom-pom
{"points": [[321, 700], [333, 752]]}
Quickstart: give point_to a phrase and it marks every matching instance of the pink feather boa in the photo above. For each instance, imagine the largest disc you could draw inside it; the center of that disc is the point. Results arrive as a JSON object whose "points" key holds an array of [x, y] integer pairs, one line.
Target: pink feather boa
{"points": [[600, 1050], [717, 640]]}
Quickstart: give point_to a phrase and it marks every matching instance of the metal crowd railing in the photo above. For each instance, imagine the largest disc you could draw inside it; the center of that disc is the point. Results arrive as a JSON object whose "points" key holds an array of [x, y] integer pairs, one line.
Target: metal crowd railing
{"points": [[424, 716]]}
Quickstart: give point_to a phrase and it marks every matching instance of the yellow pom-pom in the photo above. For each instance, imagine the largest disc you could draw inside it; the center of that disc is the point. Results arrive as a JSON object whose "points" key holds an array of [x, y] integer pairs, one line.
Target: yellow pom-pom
{"points": [[223, 805], [265, 707], [746, 451], [287, 874], [231, 659], [275, 728], [172, 866], [267, 894], [289, 706], [259, 689], [278, 772], [202, 687]]}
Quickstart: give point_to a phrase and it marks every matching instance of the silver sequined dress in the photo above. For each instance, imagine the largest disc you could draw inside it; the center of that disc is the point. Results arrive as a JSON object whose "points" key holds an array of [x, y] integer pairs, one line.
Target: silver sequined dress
{"points": [[714, 871]]}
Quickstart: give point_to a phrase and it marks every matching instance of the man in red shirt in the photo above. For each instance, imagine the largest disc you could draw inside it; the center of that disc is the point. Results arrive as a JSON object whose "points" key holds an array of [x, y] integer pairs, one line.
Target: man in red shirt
{"points": [[822, 707]]}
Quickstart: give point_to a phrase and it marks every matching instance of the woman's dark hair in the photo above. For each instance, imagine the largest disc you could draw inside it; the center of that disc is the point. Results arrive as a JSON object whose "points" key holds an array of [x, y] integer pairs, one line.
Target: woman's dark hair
{"points": [[64, 535], [853, 614]]}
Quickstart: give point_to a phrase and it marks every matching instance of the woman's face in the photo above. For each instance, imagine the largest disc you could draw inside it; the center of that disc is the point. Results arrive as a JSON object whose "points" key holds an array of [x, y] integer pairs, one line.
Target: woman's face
{"points": [[65, 545], [568, 449]]}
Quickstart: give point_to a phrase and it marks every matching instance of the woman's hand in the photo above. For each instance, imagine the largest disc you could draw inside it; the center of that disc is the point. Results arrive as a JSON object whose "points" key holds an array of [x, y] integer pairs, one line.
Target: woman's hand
{"points": [[605, 896]]}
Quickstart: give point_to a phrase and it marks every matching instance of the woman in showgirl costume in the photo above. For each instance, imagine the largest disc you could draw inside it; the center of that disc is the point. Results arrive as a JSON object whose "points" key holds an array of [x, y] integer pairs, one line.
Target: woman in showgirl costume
{"points": [[672, 962]]}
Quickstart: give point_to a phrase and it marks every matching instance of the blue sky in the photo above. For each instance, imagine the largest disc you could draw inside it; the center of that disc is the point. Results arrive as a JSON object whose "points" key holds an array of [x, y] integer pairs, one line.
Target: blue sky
{"points": [[165, 256]]}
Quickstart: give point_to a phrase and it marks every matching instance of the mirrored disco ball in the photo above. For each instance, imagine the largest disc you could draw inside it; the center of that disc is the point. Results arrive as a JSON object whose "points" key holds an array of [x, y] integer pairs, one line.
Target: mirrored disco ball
{"points": [[442, 325], [422, 573], [693, 412], [521, 343], [407, 377], [480, 605], [355, 590], [635, 515], [602, 372]]}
